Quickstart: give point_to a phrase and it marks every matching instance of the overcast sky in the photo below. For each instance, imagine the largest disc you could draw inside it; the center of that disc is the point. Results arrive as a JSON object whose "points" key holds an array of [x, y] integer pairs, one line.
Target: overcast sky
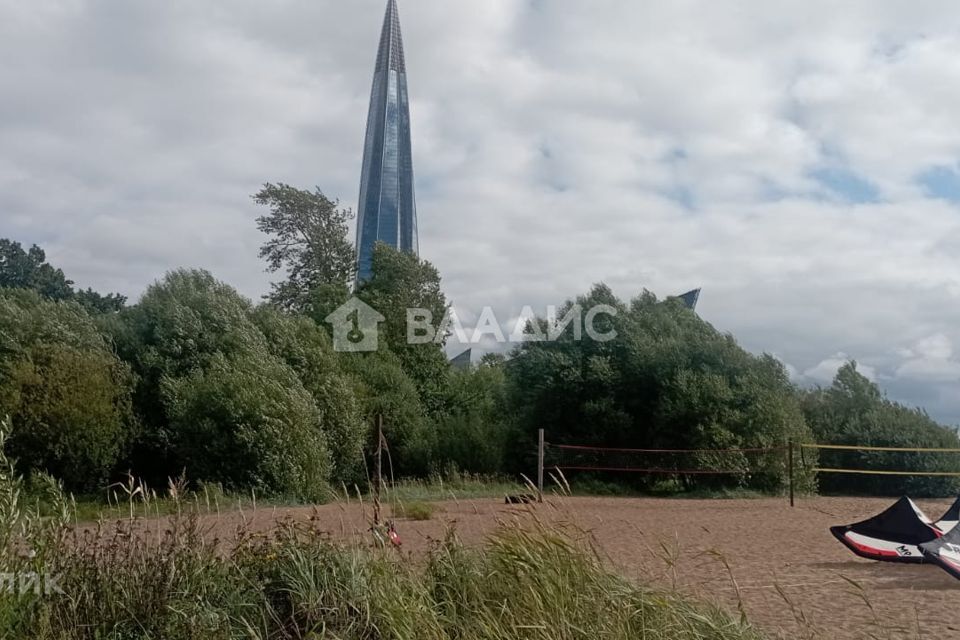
{"points": [[799, 161]]}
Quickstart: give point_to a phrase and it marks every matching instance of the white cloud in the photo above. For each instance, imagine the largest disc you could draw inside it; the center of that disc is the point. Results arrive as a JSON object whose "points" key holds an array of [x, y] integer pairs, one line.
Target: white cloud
{"points": [[556, 144], [824, 371]]}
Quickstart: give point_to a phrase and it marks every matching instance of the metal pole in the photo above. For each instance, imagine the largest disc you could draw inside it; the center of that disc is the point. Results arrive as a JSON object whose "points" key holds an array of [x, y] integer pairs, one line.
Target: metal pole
{"points": [[540, 465], [790, 467], [377, 480]]}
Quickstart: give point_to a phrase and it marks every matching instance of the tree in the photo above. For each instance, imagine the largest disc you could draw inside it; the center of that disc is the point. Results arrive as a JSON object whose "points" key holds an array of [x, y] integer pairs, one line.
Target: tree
{"points": [[68, 395], [402, 281], [667, 380], [308, 242], [853, 411], [21, 269], [246, 422], [384, 389], [95, 302], [474, 432], [307, 349], [210, 388]]}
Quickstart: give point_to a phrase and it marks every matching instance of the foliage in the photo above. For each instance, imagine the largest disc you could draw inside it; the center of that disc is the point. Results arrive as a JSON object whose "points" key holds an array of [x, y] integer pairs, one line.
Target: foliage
{"points": [[95, 302], [667, 380], [247, 422], [474, 432], [853, 411], [307, 349], [384, 389], [29, 269], [308, 242], [66, 391], [214, 400], [402, 281]]}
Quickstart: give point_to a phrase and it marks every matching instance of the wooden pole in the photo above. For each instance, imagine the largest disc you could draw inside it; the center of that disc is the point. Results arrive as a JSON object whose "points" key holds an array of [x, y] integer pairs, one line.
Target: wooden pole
{"points": [[540, 465], [790, 467], [377, 478]]}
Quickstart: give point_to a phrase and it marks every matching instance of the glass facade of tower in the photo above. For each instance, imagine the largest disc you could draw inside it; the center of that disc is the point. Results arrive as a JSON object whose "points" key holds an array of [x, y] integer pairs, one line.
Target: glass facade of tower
{"points": [[387, 211]]}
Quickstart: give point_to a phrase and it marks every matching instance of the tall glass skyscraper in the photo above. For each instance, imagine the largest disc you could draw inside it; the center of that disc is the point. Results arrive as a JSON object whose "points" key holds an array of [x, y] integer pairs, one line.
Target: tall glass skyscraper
{"points": [[387, 210]]}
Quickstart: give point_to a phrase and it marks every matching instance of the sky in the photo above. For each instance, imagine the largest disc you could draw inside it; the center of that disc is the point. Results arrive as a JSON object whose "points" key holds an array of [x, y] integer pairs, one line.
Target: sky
{"points": [[799, 161]]}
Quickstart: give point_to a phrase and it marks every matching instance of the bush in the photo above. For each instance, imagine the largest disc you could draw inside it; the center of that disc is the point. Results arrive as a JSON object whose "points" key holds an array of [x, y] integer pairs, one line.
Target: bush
{"points": [[853, 411], [668, 380], [306, 348], [247, 423], [383, 389], [67, 393]]}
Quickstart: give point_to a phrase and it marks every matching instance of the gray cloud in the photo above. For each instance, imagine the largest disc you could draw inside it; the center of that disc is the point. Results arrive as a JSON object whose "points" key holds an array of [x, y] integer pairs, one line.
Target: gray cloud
{"points": [[556, 144]]}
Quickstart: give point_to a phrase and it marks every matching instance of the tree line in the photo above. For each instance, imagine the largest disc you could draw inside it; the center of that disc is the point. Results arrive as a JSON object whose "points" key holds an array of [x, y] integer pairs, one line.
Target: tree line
{"points": [[194, 379]]}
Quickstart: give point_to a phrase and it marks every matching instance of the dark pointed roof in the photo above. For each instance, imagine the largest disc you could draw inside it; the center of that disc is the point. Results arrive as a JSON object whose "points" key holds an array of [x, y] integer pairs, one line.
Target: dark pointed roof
{"points": [[462, 361], [390, 54], [690, 298]]}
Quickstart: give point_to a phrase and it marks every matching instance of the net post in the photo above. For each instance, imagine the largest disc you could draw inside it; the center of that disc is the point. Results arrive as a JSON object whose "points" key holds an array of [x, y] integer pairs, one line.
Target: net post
{"points": [[540, 443], [377, 479], [790, 467]]}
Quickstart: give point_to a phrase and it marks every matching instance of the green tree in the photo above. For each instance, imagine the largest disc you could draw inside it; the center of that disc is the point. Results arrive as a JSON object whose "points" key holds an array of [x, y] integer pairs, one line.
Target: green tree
{"points": [[402, 281], [246, 422], [307, 349], [473, 433], [308, 242], [384, 389], [668, 380], [200, 357], [29, 269], [853, 411], [67, 393], [95, 302]]}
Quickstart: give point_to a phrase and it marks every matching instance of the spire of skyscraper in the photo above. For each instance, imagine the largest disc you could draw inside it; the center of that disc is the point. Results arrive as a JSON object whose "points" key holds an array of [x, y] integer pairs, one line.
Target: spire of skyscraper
{"points": [[387, 211]]}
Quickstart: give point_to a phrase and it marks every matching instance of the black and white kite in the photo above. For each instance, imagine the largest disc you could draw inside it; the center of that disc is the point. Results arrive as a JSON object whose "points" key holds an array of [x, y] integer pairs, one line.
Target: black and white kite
{"points": [[894, 535], [949, 520], [944, 552]]}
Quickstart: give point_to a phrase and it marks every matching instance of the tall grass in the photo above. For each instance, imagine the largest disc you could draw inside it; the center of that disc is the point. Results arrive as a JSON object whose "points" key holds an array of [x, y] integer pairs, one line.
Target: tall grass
{"points": [[125, 581], [527, 582]]}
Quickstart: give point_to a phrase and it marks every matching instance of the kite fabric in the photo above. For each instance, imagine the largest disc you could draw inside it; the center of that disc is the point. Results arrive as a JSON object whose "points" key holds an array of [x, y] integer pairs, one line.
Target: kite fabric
{"points": [[893, 536], [944, 552], [949, 520]]}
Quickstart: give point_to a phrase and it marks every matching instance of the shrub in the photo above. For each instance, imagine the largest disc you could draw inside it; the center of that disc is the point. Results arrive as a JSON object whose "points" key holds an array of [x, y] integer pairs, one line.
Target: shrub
{"points": [[247, 422], [853, 411], [67, 393]]}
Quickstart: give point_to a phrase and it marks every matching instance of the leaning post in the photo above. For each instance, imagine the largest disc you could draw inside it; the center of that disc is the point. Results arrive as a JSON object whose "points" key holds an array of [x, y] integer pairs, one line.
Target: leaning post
{"points": [[540, 465], [790, 467], [377, 479]]}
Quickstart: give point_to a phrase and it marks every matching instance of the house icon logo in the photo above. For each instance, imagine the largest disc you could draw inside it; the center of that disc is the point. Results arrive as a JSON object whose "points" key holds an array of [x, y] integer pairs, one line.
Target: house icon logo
{"points": [[354, 326]]}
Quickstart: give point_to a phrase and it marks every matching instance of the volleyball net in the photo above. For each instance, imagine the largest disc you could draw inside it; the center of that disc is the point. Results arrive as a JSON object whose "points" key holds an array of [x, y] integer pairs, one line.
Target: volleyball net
{"points": [[863, 460], [835, 468], [664, 462]]}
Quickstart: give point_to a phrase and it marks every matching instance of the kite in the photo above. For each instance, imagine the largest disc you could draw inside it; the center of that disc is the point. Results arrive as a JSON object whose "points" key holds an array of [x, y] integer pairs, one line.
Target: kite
{"points": [[949, 520], [894, 535]]}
